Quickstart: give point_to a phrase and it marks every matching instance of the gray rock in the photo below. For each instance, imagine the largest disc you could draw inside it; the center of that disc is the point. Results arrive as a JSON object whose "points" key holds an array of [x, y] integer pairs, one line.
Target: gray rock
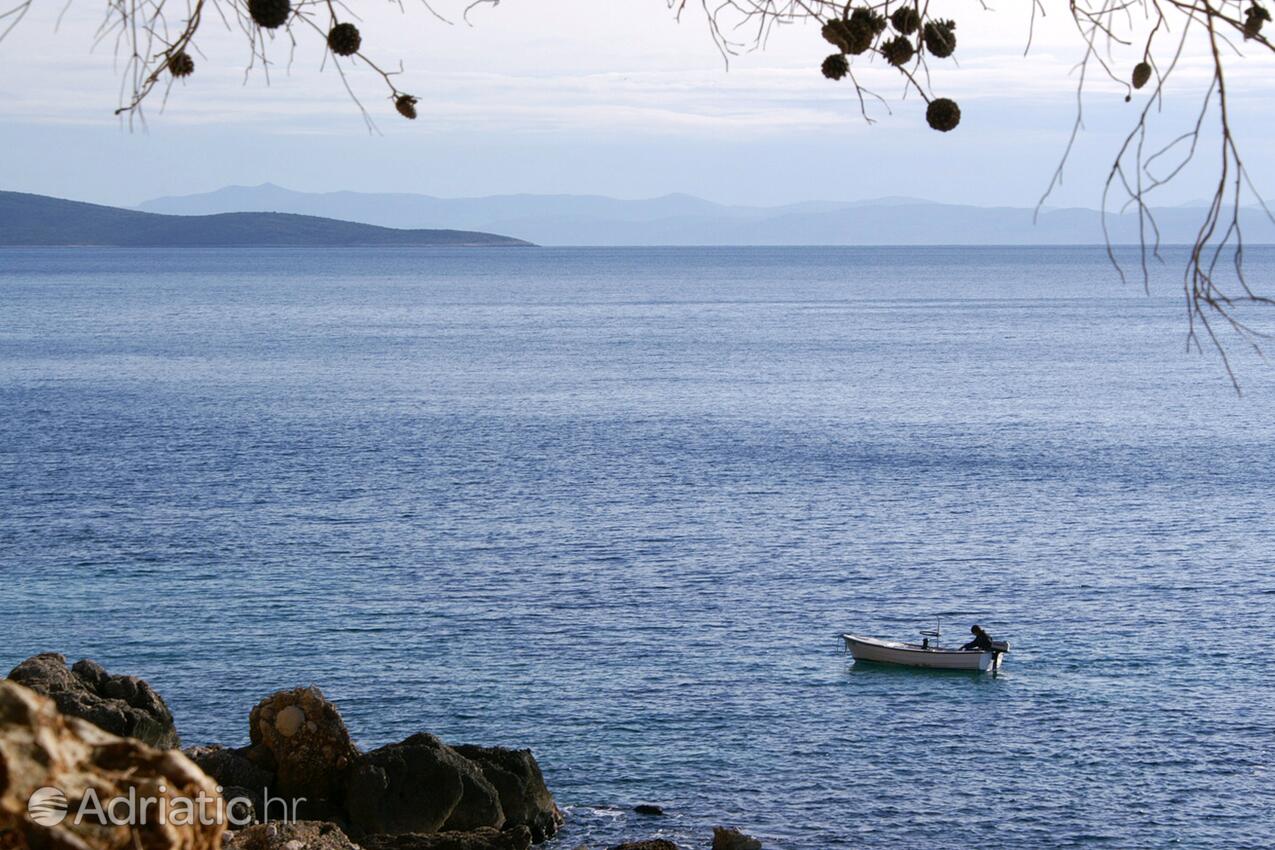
{"points": [[419, 785], [648, 809], [729, 838], [122, 705], [241, 806], [524, 797], [239, 771], [299, 835], [230, 767], [518, 838], [90, 672], [320, 810]]}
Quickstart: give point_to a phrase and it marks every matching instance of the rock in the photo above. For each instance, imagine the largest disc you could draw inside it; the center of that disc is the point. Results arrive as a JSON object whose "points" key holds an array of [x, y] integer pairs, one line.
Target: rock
{"points": [[419, 785], [648, 809], [518, 838], [122, 705], [652, 844], [728, 838], [88, 671], [238, 775], [329, 811], [229, 766], [301, 736], [300, 835], [241, 805], [524, 797], [41, 748]]}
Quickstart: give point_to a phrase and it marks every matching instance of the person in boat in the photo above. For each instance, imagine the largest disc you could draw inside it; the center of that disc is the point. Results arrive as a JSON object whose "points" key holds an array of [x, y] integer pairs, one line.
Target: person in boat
{"points": [[982, 640]]}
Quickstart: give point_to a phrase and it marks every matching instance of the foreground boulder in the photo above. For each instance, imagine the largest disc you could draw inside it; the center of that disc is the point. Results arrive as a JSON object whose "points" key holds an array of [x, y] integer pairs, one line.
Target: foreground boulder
{"points": [[298, 835], [300, 737], [122, 705], [419, 785], [77, 766], [524, 797], [728, 838], [518, 838]]}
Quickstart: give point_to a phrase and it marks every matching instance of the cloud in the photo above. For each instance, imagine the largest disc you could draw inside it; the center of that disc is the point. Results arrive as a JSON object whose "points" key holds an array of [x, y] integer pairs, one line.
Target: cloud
{"points": [[584, 81], [528, 67]]}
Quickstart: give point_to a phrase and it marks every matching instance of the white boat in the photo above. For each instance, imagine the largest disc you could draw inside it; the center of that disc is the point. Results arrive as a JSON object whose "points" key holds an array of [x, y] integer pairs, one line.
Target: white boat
{"points": [[924, 654]]}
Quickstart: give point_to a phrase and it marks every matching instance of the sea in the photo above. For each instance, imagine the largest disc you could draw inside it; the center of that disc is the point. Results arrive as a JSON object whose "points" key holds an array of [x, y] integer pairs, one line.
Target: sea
{"points": [[618, 505]]}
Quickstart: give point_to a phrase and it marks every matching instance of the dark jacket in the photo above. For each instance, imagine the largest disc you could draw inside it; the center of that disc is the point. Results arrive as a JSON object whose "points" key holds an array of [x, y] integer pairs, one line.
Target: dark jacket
{"points": [[982, 641]]}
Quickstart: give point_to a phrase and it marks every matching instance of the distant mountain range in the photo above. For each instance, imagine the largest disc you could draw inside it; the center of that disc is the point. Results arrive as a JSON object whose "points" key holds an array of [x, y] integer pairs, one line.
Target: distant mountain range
{"points": [[39, 220], [687, 220]]}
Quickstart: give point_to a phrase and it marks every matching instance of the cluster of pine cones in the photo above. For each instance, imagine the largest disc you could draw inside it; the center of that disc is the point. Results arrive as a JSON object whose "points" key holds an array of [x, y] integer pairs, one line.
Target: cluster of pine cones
{"points": [[344, 39], [1254, 16], [863, 29]]}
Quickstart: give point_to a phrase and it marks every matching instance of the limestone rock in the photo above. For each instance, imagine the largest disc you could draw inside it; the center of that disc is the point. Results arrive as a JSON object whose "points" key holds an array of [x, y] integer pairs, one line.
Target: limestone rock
{"points": [[122, 705], [238, 775], [329, 811], [301, 736], [728, 838], [524, 797], [419, 785], [229, 766], [41, 748], [518, 838], [299, 835], [241, 806]]}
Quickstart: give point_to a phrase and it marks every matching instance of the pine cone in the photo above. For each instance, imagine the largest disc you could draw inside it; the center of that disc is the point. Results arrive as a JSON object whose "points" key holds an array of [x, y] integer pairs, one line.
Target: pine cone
{"points": [[344, 39], [1254, 17], [270, 14], [868, 18], [859, 35], [854, 35], [406, 106], [943, 114], [835, 33], [1141, 74], [835, 67], [898, 50], [180, 64], [940, 39], [906, 20]]}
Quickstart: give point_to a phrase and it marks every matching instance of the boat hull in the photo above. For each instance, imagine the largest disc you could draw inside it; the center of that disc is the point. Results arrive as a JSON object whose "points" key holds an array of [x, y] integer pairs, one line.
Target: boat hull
{"points": [[914, 655]]}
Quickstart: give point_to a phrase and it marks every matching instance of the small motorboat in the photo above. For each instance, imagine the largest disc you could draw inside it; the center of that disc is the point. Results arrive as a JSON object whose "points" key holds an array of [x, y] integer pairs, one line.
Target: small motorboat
{"points": [[928, 653]]}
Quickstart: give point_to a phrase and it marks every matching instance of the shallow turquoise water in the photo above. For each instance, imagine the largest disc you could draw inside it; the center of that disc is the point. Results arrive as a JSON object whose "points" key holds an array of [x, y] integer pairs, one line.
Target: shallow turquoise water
{"points": [[615, 505]]}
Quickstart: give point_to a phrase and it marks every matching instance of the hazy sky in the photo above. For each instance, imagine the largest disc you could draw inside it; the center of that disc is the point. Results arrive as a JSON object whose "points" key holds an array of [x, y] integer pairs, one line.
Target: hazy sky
{"points": [[577, 96]]}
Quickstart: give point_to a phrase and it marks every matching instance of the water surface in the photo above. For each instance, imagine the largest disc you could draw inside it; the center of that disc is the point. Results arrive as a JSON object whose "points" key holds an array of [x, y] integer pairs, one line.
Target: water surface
{"points": [[615, 505]]}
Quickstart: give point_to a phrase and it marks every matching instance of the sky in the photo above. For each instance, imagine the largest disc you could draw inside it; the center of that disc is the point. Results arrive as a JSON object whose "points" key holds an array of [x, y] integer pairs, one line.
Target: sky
{"points": [[612, 97]]}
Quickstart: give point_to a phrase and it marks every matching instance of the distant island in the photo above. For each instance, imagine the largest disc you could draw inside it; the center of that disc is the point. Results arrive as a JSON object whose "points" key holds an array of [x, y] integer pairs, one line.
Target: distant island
{"points": [[687, 220], [37, 220]]}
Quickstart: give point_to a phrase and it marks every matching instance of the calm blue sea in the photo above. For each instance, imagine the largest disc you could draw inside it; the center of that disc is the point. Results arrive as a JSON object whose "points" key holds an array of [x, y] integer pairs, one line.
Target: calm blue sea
{"points": [[615, 505]]}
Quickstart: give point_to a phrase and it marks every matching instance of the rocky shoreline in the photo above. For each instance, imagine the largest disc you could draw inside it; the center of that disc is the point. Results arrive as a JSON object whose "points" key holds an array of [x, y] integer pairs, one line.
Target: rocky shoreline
{"points": [[72, 737]]}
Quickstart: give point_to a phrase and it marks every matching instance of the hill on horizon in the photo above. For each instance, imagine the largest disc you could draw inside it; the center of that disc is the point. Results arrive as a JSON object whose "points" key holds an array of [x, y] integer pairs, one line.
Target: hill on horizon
{"points": [[38, 220], [680, 219]]}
